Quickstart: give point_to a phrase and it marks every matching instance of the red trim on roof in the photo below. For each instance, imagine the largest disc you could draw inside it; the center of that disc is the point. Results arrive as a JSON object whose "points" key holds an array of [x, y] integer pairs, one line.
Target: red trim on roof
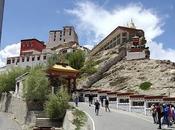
{"points": [[154, 97], [169, 99], [112, 93], [104, 91], [137, 96], [124, 94]]}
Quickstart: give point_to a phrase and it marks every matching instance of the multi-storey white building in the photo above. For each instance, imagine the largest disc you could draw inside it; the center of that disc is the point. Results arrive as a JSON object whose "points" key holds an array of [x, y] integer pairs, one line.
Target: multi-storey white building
{"points": [[27, 60], [57, 37], [30, 54]]}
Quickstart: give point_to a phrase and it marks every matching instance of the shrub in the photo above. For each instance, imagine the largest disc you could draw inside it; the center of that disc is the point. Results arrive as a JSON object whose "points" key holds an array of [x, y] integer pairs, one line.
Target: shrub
{"points": [[57, 104], [145, 86], [89, 67], [36, 85], [80, 119]]}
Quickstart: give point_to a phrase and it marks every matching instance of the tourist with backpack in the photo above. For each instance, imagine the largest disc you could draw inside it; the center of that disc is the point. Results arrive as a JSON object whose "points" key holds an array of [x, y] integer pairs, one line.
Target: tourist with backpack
{"points": [[97, 107]]}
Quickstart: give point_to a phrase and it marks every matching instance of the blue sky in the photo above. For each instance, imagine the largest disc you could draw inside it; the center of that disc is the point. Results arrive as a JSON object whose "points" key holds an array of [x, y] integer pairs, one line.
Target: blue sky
{"points": [[34, 18]]}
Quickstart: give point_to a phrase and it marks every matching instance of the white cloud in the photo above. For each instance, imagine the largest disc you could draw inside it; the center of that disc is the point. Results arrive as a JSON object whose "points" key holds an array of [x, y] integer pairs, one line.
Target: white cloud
{"points": [[159, 52], [9, 51], [97, 22], [89, 46]]}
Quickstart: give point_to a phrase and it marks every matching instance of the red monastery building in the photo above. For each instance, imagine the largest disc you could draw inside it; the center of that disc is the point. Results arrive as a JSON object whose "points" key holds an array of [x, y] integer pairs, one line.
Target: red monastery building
{"points": [[31, 46]]}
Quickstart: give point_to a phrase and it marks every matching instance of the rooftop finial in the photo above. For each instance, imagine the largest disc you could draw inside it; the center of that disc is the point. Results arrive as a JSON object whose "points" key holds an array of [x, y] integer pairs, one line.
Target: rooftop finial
{"points": [[132, 25]]}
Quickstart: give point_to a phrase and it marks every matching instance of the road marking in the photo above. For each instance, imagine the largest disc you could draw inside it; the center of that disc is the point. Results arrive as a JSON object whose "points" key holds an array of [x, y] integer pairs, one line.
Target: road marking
{"points": [[93, 124]]}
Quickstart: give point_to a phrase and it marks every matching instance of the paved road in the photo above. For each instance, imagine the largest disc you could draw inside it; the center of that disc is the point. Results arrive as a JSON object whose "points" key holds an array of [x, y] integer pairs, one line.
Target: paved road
{"points": [[119, 120], [6, 123]]}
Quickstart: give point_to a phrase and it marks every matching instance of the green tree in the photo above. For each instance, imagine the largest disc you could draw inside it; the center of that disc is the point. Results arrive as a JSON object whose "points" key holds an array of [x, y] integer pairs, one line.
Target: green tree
{"points": [[57, 104], [76, 59], [36, 85], [7, 79], [55, 58]]}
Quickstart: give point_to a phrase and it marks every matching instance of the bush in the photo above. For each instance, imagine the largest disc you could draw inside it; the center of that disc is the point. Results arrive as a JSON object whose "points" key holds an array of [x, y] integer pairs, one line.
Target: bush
{"points": [[80, 119], [36, 85], [145, 86], [57, 104]]}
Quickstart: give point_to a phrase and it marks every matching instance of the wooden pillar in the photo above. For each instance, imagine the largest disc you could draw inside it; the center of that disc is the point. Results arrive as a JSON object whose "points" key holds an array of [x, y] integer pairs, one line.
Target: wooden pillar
{"points": [[69, 85], [74, 84]]}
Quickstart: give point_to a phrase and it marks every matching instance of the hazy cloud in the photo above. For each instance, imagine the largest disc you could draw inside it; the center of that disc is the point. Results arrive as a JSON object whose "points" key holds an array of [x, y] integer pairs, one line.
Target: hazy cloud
{"points": [[9, 51]]}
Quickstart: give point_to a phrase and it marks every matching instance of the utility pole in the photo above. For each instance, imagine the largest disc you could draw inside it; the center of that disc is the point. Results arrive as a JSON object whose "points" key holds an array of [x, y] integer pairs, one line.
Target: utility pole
{"points": [[1, 17]]}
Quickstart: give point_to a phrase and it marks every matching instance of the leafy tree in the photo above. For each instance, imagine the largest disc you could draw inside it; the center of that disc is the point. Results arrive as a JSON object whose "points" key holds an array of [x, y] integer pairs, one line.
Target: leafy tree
{"points": [[57, 104], [76, 59], [36, 85], [7, 79], [55, 58]]}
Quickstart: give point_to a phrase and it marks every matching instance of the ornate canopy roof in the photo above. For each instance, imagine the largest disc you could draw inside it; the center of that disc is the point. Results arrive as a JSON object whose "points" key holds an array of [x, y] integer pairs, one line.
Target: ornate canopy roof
{"points": [[63, 70]]}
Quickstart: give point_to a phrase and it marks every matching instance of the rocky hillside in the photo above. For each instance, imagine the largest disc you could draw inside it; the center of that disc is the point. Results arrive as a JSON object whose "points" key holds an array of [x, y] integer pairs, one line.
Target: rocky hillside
{"points": [[115, 73]]}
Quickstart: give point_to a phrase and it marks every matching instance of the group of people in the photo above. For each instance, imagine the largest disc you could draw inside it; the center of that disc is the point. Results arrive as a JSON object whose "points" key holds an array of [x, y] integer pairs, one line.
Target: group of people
{"points": [[97, 103], [104, 102], [163, 114]]}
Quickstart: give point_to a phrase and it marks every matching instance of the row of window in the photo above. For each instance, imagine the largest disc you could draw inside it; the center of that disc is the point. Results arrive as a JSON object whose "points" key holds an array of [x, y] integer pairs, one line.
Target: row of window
{"points": [[116, 40], [138, 103], [54, 39], [27, 44], [9, 61]]}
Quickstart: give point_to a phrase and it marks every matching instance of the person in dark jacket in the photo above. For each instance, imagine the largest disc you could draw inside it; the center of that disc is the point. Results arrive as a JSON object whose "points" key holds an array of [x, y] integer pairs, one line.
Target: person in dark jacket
{"points": [[159, 113], [97, 107], [90, 99], [101, 99], [107, 105]]}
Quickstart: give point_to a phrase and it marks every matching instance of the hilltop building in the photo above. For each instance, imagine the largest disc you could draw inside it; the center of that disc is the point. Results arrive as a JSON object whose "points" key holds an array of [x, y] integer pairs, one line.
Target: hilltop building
{"points": [[57, 37], [34, 52], [133, 39], [63, 41]]}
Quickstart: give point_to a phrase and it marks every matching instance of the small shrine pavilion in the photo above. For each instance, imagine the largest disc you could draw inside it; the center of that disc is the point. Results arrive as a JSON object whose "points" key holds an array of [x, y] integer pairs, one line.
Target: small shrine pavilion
{"points": [[63, 71]]}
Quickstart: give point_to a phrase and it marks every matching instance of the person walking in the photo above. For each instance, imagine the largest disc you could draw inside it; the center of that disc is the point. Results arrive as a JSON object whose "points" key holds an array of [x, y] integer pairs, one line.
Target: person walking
{"points": [[101, 99], [90, 99], [153, 110], [75, 98], [165, 115], [159, 113], [107, 105], [97, 107], [76, 101]]}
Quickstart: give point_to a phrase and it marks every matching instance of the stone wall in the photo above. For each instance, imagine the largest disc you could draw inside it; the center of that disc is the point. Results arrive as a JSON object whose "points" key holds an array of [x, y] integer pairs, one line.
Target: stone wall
{"points": [[17, 107]]}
